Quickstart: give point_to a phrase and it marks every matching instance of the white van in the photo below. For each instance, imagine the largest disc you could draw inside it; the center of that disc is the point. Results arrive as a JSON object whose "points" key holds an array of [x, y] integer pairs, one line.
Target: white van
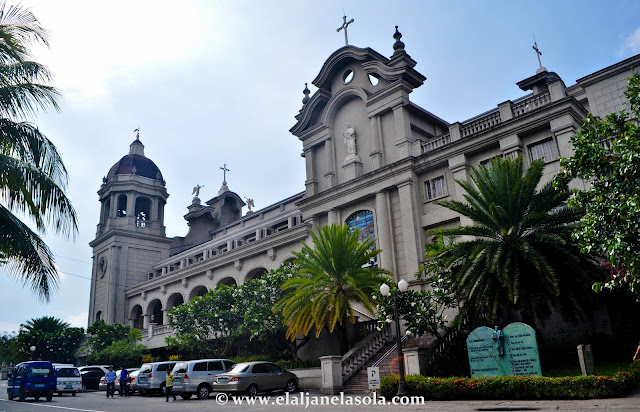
{"points": [[67, 379]]}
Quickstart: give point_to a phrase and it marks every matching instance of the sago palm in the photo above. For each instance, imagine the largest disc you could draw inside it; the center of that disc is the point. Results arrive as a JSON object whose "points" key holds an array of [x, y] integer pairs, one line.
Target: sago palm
{"points": [[333, 276], [32, 174], [518, 253], [47, 324]]}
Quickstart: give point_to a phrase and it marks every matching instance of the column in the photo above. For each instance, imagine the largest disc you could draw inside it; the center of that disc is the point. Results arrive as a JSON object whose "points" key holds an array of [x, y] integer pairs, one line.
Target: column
{"points": [[511, 146], [311, 183], [385, 233], [334, 217], [412, 252], [331, 368], [404, 137], [114, 281], [165, 316], [459, 169], [146, 322], [330, 176], [377, 160]]}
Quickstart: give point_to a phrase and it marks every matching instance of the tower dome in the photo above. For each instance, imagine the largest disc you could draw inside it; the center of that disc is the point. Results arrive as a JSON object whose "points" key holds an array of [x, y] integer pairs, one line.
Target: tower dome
{"points": [[135, 163]]}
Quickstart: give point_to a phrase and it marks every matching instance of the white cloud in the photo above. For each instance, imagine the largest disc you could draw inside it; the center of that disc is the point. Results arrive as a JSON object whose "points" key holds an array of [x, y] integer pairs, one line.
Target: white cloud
{"points": [[9, 327], [79, 320], [632, 43]]}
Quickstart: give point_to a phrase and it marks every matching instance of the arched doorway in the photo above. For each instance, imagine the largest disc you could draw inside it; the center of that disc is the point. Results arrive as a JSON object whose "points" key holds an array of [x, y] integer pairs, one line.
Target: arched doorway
{"points": [[256, 273], [136, 317], [155, 310], [198, 291], [229, 281]]}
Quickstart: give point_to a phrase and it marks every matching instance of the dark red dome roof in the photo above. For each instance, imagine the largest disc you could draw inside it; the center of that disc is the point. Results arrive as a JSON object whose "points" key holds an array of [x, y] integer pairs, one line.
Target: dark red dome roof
{"points": [[144, 167]]}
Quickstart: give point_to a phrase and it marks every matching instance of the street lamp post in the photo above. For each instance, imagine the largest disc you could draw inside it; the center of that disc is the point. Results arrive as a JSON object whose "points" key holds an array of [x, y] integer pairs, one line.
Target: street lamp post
{"points": [[32, 349], [386, 291]]}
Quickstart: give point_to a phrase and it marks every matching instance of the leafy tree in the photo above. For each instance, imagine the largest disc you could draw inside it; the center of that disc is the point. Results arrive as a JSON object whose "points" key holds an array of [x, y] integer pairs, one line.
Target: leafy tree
{"points": [[423, 311], [227, 318], [334, 275], [53, 339], [518, 254], [102, 335], [607, 156], [32, 175], [8, 347], [114, 344]]}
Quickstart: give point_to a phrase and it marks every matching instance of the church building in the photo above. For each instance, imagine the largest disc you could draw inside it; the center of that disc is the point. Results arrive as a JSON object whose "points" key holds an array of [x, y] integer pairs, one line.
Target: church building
{"points": [[374, 160]]}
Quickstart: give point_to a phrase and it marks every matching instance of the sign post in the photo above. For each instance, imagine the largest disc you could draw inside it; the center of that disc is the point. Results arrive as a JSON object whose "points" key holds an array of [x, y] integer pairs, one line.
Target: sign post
{"points": [[373, 377]]}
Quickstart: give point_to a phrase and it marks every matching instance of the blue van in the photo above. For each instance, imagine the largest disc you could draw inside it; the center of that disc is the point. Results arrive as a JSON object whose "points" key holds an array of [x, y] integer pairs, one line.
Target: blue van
{"points": [[34, 379]]}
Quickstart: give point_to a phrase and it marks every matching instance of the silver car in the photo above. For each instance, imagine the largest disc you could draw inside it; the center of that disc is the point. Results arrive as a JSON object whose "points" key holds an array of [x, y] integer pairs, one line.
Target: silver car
{"points": [[255, 377], [197, 376], [67, 379], [152, 377], [133, 381], [103, 381]]}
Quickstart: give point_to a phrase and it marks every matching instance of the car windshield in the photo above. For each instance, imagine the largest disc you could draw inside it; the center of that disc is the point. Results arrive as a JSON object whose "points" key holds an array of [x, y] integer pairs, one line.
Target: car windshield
{"points": [[41, 371], [67, 373], [180, 367], [239, 368]]}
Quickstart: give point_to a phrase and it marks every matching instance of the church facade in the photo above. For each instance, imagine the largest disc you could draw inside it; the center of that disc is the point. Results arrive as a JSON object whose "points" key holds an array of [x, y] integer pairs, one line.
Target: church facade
{"points": [[374, 160]]}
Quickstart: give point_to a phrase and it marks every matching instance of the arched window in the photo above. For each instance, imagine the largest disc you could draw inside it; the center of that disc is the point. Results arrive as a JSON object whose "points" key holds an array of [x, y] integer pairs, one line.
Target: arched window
{"points": [[363, 220], [99, 315], [143, 208], [122, 206]]}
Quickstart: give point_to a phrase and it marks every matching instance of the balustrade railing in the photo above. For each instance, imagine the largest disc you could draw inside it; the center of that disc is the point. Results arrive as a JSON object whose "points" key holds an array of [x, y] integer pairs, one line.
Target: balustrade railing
{"points": [[532, 103], [362, 329], [481, 124], [360, 354], [436, 143]]}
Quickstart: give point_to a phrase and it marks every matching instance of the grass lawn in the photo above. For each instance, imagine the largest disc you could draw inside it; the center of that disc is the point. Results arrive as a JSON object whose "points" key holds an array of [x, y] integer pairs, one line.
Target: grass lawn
{"points": [[602, 368]]}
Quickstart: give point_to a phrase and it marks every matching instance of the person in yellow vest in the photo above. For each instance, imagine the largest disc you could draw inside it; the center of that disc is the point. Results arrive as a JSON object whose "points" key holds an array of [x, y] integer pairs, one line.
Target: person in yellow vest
{"points": [[169, 386]]}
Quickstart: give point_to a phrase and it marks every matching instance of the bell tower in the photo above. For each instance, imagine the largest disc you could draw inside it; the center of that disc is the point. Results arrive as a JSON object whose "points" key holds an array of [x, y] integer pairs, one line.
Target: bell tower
{"points": [[130, 236]]}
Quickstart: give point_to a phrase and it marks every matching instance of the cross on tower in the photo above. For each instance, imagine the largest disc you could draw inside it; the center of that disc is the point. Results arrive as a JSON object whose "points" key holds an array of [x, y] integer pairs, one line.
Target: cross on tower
{"points": [[344, 26], [137, 132], [538, 52], [224, 171]]}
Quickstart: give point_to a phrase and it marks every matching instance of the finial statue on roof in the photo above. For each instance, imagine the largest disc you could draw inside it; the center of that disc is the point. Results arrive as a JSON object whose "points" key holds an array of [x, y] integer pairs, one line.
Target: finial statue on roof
{"points": [[196, 190], [137, 132], [306, 93], [538, 54], [344, 26], [250, 203], [398, 46]]}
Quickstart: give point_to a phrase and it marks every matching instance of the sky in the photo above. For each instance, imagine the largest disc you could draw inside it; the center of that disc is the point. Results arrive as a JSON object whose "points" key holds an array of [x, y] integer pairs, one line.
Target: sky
{"points": [[219, 82]]}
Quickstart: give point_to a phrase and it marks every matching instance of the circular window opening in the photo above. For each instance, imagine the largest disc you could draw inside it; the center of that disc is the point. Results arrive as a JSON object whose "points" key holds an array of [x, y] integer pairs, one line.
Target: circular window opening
{"points": [[347, 76], [373, 80]]}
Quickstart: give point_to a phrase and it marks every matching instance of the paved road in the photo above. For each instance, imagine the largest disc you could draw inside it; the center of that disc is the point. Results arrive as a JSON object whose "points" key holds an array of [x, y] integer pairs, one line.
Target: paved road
{"points": [[96, 401]]}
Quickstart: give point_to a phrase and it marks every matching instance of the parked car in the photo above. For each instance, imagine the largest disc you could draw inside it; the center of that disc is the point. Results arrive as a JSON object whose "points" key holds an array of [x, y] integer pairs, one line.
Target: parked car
{"points": [[68, 379], [152, 377], [197, 376], [33, 379], [133, 381], [255, 377], [103, 381], [91, 375]]}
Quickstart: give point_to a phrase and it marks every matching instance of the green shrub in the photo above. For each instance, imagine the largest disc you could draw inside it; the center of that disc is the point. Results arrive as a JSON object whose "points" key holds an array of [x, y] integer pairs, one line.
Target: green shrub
{"points": [[517, 387]]}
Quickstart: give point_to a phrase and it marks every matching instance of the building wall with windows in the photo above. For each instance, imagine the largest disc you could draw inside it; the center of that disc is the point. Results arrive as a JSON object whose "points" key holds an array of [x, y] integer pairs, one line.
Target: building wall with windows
{"points": [[374, 160]]}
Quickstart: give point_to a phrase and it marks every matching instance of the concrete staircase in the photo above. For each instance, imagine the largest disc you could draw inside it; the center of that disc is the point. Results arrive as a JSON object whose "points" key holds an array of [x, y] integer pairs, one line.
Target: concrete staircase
{"points": [[359, 383]]}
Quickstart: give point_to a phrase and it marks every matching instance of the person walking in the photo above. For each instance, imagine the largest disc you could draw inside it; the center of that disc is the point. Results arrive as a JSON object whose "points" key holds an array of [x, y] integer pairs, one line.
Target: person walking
{"points": [[111, 379], [124, 378], [169, 386]]}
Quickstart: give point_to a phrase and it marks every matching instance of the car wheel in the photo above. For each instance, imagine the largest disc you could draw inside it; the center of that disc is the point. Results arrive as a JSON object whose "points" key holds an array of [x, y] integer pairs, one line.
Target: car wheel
{"points": [[10, 394], [203, 391], [292, 385], [49, 398], [143, 392], [252, 390], [185, 396], [84, 388], [163, 389], [73, 393], [37, 398], [21, 397]]}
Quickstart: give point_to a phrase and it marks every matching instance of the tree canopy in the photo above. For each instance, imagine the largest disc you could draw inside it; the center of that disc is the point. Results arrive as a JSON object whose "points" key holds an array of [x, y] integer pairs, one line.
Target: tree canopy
{"points": [[607, 156], [54, 340]]}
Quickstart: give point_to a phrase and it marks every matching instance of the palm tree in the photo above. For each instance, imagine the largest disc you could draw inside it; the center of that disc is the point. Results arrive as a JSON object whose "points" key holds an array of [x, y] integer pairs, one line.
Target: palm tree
{"points": [[32, 175], [47, 324], [518, 254], [333, 276]]}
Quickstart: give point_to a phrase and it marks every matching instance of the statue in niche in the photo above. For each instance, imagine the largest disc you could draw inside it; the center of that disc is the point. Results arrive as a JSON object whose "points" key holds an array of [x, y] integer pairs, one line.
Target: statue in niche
{"points": [[350, 140], [498, 339]]}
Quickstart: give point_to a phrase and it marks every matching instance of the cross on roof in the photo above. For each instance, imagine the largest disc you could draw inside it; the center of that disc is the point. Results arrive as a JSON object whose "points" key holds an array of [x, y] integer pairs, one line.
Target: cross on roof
{"points": [[137, 132], [538, 52], [344, 26], [224, 171]]}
